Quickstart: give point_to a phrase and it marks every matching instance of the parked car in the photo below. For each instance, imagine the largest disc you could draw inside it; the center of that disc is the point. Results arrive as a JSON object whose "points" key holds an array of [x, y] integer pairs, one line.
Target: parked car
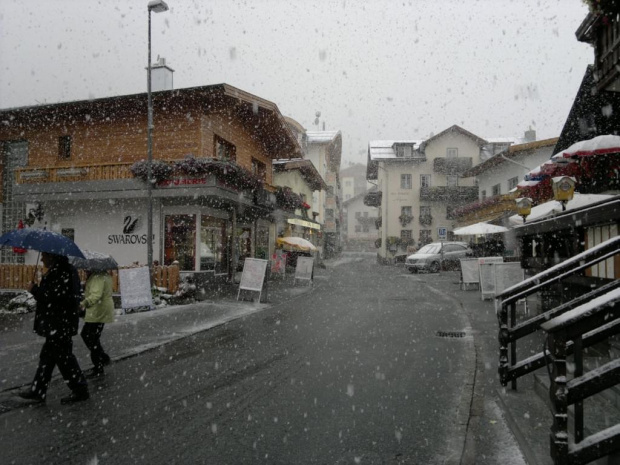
{"points": [[429, 257]]}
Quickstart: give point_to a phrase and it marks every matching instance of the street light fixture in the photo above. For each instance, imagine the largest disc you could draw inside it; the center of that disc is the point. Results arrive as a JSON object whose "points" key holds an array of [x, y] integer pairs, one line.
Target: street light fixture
{"points": [[563, 189], [524, 207], [158, 6]]}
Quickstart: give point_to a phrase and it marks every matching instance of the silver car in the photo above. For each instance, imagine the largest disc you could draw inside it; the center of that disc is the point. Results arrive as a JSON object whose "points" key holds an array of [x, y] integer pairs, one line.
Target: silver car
{"points": [[430, 257]]}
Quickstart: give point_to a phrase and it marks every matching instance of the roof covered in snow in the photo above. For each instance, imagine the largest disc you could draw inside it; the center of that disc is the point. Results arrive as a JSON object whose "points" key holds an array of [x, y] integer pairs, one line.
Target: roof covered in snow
{"points": [[321, 137]]}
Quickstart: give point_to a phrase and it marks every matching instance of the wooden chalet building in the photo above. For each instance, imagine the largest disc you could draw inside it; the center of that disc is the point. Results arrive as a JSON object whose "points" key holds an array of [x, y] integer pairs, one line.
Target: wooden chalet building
{"points": [[79, 168]]}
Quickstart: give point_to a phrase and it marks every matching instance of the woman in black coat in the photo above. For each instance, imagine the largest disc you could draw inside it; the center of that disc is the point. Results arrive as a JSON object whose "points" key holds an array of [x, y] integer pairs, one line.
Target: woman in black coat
{"points": [[56, 319]]}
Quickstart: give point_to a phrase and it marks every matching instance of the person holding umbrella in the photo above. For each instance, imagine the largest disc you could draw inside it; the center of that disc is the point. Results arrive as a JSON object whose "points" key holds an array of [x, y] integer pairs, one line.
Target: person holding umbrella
{"points": [[97, 304], [99, 310], [57, 320]]}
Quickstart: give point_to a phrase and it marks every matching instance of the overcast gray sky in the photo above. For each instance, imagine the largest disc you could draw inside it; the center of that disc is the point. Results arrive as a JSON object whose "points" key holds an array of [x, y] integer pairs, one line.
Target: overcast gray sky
{"points": [[384, 69]]}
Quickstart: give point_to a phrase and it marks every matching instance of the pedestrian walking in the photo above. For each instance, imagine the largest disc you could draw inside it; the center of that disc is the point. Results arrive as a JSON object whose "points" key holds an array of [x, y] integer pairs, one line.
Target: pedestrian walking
{"points": [[99, 310], [57, 319]]}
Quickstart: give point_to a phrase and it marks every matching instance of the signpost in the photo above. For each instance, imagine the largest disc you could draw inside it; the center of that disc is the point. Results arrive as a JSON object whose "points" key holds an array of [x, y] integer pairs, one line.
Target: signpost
{"points": [[135, 285], [304, 268], [253, 276], [442, 235]]}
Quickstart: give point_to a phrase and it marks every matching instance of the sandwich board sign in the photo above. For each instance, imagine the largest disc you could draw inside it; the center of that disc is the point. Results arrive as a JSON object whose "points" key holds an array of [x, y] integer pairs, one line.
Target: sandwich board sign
{"points": [[253, 276], [304, 267], [135, 286]]}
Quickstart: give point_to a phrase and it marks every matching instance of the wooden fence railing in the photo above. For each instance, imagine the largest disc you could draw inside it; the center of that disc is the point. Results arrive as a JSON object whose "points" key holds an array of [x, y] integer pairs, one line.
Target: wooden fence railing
{"points": [[16, 276]]}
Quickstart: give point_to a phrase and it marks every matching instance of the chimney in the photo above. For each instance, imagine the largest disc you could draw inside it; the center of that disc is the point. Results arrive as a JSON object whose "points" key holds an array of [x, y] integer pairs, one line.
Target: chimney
{"points": [[161, 76], [530, 135]]}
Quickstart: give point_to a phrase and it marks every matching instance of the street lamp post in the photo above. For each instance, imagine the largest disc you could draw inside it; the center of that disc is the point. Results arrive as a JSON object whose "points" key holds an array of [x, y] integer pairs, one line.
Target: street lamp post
{"points": [[158, 6]]}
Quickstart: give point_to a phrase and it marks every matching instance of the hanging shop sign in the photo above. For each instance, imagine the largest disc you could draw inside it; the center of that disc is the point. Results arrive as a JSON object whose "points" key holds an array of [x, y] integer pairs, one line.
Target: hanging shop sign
{"points": [[304, 223]]}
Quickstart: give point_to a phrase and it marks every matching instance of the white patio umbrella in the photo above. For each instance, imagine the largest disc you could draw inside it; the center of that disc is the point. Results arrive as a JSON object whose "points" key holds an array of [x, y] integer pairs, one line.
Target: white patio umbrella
{"points": [[479, 229]]}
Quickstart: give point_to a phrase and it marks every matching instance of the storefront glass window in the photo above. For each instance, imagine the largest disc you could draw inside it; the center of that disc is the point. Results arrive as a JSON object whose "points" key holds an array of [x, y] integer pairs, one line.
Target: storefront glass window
{"points": [[180, 241], [262, 241], [213, 245]]}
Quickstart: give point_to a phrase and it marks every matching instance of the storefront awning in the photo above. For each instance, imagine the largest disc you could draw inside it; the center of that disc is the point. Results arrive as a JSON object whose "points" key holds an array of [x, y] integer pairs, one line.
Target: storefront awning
{"points": [[304, 223]]}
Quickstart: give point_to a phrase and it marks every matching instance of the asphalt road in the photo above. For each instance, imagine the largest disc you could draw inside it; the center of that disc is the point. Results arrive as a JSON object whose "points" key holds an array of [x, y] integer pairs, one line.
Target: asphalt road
{"points": [[352, 372]]}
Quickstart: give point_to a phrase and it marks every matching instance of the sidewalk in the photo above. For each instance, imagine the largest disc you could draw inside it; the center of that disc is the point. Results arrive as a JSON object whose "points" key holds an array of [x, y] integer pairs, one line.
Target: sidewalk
{"points": [[505, 426]]}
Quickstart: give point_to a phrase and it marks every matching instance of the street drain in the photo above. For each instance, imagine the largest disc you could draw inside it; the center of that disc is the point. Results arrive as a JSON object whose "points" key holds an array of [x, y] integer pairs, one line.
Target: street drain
{"points": [[451, 334]]}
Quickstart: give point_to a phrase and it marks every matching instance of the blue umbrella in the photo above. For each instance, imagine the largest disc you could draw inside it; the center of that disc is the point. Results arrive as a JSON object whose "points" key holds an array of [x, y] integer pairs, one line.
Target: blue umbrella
{"points": [[41, 240]]}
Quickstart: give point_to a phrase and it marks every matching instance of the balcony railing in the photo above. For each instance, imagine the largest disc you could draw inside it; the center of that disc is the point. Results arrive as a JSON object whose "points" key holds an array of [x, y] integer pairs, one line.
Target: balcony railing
{"points": [[373, 199], [425, 220], [76, 172], [454, 194], [451, 166], [487, 209]]}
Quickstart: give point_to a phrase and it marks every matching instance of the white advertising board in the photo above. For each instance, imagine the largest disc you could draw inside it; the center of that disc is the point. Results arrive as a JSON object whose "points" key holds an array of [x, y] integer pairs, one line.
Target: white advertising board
{"points": [[253, 275], [507, 275], [470, 272], [303, 270], [135, 285], [487, 280]]}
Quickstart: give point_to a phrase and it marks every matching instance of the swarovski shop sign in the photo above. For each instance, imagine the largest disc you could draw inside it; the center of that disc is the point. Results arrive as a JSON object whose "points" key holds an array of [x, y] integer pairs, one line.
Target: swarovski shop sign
{"points": [[127, 232]]}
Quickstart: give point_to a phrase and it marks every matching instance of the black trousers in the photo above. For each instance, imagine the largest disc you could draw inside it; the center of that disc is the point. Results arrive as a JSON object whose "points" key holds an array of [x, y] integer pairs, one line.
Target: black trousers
{"points": [[58, 351], [91, 335]]}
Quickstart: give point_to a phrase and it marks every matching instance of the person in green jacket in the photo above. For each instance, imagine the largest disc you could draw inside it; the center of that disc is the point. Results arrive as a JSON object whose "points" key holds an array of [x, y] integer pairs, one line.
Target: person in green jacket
{"points": [[99, 310]]}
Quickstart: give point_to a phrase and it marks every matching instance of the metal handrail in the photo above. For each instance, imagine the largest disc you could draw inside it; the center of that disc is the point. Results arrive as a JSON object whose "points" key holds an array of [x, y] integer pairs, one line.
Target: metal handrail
{"points": [[509, 334], [561, 331]]}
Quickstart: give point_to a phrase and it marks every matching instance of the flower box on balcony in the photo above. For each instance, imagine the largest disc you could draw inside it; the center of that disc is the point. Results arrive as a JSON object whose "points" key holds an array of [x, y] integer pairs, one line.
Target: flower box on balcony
{"points": [[34, 174], [425, 220], [69, 172]]}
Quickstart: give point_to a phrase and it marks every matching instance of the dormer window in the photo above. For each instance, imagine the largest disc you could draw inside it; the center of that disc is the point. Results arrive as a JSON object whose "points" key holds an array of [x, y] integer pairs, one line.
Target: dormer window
{"points": [[404, 151]]}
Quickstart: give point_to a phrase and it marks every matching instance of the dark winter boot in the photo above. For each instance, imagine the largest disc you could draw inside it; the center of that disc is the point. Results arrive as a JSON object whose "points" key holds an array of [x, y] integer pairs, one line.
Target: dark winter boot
{"points": [[78, 395]]}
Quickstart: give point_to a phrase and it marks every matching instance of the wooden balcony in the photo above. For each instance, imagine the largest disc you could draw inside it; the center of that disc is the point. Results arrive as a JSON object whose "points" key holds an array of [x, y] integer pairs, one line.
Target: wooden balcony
{"points": [[114, 176], [456, 194], [486, 210], [603, 33], [75, 172]]}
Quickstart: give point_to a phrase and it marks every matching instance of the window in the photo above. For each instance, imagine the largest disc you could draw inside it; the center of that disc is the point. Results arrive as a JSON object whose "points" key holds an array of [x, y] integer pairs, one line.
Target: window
{"points": [[452, 181], [329, 214], [64, 147], [483, 195], [425, 211], [405, 181], [365, 228], [497, 189], [358, 214], [214, 244], [365, 214], [180, 241], [406, 211], [404, 151], [425, 237], [450, 212], [259, 169], [452, 153], [425, 180], [512, 182], [406, 235], [224, 150]]}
